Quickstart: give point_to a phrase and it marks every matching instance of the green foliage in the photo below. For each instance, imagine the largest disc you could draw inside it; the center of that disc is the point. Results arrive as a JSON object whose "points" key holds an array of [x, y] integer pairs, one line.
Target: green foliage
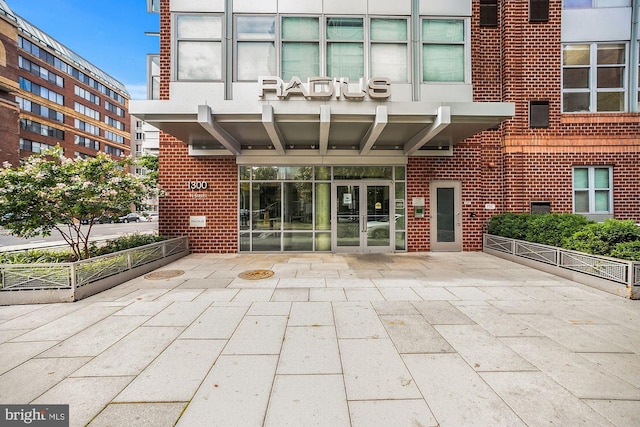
{"points": [[51, 192], [510, 225], [44, 256], [36, 256], [548, 229], [627, 250], [614, 238], [128, 242], [150, 164], [602, 238]]}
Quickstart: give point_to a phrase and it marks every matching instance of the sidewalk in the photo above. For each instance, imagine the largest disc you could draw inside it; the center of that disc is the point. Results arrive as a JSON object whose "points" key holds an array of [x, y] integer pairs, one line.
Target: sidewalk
{"points": [[435, 339]]}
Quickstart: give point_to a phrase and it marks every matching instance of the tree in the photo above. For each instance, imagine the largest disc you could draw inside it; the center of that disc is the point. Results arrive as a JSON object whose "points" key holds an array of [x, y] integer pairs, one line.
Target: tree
{"points": [[51, 192], [150, 163]]}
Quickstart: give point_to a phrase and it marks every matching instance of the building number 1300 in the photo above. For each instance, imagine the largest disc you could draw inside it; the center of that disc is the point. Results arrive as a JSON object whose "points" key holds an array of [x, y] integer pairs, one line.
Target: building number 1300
{"points": [[197, 185]]}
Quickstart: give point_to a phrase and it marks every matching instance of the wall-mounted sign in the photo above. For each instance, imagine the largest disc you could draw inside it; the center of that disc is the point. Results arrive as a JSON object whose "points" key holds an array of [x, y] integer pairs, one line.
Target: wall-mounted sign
{"points": [[197, 221], [197, 185], [376, 88], [490, 206], [346, 199], [418, 201]]}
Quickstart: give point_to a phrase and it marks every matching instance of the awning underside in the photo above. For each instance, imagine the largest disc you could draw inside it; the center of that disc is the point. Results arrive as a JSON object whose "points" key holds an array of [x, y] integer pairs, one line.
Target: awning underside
{"points": [[419, 129]]}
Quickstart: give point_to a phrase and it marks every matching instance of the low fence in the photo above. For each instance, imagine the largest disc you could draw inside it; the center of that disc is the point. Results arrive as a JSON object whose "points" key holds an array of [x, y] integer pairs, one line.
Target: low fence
{"points": [[613, 275], [64, 282]]}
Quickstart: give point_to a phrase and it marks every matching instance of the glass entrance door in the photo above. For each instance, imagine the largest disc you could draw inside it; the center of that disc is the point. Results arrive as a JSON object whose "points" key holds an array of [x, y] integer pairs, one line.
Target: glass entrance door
{"points": [[363, 220], [446, 216]]}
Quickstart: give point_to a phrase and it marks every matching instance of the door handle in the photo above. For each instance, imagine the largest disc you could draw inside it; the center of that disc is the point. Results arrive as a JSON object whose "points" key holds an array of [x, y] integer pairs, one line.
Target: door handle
{"points": [[459, 216], [364, 223]]}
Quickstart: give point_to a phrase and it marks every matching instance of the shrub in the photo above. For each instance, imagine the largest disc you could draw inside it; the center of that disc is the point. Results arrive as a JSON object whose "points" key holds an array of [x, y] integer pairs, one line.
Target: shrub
{"points": [[602, 238], [41, 256], [627, 250], [511, 225], [553, 229], [548, 229]]}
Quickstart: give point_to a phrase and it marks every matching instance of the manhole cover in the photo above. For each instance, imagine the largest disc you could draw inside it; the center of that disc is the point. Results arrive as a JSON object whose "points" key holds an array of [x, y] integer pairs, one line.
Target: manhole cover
{"points": [[255, 274], [164, 274]]}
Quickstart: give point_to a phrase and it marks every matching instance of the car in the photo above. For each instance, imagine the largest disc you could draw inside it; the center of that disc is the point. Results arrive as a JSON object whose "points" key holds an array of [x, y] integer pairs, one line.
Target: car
{"points": [[131, 217]]}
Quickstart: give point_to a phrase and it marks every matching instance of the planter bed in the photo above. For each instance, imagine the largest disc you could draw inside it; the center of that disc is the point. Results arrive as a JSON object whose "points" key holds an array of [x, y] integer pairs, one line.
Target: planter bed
{"points": [[67, 282], [612, 275]]}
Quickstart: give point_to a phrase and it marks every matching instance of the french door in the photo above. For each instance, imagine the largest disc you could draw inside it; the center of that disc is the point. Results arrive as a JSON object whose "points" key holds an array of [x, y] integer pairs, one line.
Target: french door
{"points": [[363, 221]]}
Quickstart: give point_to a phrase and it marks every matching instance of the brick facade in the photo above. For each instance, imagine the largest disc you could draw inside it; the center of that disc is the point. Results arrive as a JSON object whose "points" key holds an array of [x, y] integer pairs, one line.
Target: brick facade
{"points": [[518, 61], [9, 111]]}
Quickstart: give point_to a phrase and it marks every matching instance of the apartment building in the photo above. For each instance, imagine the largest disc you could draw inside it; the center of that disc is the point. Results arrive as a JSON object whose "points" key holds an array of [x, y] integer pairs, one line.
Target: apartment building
{"points": [[52, 96], [373, 126]]}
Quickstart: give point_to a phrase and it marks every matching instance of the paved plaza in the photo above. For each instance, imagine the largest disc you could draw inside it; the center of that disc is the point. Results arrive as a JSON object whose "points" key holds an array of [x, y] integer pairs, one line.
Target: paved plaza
{"points": [[433, 339]]}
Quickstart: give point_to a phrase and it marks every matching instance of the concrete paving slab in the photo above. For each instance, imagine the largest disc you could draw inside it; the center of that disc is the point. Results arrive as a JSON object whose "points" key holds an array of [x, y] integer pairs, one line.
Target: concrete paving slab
{"points": [[456, 394], [176, 374], [380, 375], [306, 400], [375, 361], [139, 415], [235, 393], [86, 397], [132, 354], [39, 374], [538, 400], [385, 413]]}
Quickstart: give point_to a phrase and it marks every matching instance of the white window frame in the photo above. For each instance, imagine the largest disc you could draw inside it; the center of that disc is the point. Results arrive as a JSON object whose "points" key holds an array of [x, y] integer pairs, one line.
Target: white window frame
{"points": [[176, 41], [593, 78], [592, 191], [466, 43]]}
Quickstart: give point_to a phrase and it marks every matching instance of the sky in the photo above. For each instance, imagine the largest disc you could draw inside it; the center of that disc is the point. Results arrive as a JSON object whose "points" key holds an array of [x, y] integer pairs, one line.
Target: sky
{"points": [[107, 33]]}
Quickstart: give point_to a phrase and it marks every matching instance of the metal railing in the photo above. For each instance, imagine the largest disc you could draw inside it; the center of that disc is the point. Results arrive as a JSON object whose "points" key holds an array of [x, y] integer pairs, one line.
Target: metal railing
{"points": [[72, 275], [612, 269]]}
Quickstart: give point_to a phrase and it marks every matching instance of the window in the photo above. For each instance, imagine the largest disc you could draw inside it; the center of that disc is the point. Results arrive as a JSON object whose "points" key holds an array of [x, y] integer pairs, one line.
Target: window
{"points": [[113, 122], [255, 48], [199, 47], [41, 129], [300, 47], [594, 77], [488, 13], [593, 190], [41, 91], [86, 142], [345, 47], [113, 108], [539, 114], [111, 136], [87, 127], [584, 4], [89, 112], [113, 151], [40, 71], [85, 94], [40, 110], [389, 51], [538, 10], [34, 146], [443, 50]]}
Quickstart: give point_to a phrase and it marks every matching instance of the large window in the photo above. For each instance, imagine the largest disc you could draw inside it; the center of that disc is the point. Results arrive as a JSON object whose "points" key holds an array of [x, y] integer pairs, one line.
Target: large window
{"points": [[300, 47], [585, 4], [41, 91], [255, 48], [345, 47], [593, 190], [594, 77], [199, 47], [389, 50], [443, 50]]}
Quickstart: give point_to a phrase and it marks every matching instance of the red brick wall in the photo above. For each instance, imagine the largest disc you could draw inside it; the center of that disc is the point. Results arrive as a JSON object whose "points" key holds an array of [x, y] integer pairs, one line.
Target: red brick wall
{"points": [[219, 202], [9, 125]]}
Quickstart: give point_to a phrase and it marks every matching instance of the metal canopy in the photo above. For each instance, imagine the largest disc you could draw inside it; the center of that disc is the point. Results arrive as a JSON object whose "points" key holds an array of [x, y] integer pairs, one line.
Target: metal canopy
{"points": [[316, 129]]}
